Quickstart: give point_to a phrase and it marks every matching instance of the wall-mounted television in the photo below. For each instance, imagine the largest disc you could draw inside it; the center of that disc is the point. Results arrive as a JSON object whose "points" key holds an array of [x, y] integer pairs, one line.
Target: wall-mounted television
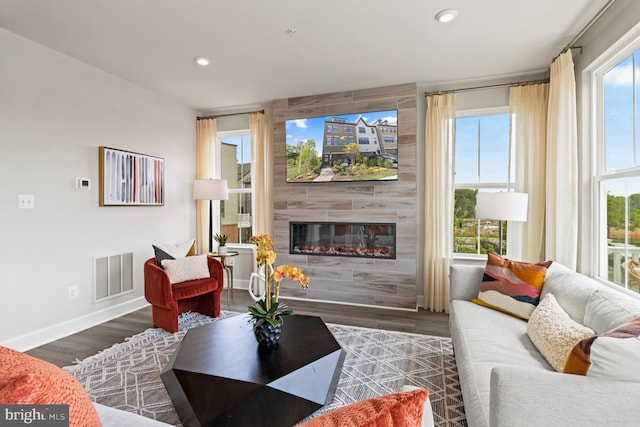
{"points": [[346, 147]]}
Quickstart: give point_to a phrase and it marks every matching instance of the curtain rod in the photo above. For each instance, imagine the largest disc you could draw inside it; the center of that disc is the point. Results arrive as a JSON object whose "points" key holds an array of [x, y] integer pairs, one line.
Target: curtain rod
{"points": [[467, 89], [571, 44], [230, 114]]}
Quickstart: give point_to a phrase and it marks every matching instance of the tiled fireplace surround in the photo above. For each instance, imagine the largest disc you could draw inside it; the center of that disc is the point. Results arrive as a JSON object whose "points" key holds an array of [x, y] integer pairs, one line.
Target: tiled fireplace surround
{"points": [[387, 283]]}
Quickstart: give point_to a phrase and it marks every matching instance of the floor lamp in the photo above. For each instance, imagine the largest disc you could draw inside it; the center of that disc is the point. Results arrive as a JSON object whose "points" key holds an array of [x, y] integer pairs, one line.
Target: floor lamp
{"points": [[210, 189], [502, 206]]}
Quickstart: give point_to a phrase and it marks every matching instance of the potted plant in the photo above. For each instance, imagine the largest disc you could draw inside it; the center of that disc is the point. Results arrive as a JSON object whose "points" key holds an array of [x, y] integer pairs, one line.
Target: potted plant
{"points": [[267, 314], [222, 243]]}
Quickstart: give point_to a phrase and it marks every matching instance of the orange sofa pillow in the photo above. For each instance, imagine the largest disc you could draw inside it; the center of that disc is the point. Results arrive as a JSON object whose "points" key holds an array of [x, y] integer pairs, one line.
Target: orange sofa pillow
{"points": [[25, 380], [402, 409]]}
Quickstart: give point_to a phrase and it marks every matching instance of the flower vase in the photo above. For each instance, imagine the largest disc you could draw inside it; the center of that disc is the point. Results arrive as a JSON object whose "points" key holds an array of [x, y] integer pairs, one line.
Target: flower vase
{"points": [[266, 334], [222, 250]]}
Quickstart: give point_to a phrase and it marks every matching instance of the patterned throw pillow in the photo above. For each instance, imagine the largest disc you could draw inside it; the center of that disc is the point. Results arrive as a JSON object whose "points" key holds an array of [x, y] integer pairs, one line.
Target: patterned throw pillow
{"points": [[612, 355], [25, 380], [553, 332], [174, 250], [403, 409], [512, 287], [188, 268]]}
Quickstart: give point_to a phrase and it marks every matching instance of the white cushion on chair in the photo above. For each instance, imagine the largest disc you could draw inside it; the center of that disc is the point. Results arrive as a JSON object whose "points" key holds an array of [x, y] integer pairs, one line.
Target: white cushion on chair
{"points": [[184, 269]]}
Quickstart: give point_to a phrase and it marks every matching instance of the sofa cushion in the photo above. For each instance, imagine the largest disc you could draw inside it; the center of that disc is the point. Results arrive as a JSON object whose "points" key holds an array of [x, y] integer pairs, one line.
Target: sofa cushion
{"points": [[25, 380], [612, 355], [608, 309], [553, 332], [572, 290], [512, 287], [184, 269], [402, 409], [483, 339], [173, 250]]}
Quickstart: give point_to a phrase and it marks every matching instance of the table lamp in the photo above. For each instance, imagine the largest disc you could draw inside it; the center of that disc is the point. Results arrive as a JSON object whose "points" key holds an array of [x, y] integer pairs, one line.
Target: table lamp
{"points": [[502, 206]]}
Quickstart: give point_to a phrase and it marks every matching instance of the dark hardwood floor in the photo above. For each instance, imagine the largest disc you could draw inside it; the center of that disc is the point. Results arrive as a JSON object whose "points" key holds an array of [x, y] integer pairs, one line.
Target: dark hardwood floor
{"points": [[65, 351]]}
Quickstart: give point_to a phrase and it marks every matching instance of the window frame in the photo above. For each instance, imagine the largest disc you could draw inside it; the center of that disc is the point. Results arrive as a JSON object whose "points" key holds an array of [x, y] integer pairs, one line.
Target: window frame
{"points": [[596, 72], [251, 191], [506, 186]]}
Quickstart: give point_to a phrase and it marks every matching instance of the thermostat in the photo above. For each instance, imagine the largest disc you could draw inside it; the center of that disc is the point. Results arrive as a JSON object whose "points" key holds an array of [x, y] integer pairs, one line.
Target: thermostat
{"points": [[83, 183]]}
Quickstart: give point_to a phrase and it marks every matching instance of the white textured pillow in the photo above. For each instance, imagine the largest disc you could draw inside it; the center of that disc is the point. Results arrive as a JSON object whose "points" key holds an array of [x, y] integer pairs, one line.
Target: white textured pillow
{"points": [[607, 310], [189, 268], [553, 332]]}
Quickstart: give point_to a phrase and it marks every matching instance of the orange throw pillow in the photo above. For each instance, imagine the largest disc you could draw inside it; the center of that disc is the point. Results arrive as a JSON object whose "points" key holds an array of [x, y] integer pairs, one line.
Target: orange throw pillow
{"points": [[25, 380], [403, 409]]}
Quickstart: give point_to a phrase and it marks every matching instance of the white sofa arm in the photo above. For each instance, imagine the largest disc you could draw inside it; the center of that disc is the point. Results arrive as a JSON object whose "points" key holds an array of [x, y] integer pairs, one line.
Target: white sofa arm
{"points": [[532, 397], [111, 417], [465, 281]]}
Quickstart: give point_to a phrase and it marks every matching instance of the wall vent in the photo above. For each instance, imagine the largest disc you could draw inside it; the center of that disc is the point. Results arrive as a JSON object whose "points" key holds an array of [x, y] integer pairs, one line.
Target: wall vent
{"points": [[112, 275]]}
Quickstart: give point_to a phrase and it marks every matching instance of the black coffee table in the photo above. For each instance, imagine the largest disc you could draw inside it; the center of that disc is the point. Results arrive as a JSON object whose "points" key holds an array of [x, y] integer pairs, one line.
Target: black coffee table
{"points": [[219, 376]]}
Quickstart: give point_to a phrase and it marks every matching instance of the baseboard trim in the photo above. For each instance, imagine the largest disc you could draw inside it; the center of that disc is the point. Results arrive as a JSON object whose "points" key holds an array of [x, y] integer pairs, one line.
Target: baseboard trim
{"points": [[353, 304], [55, 332]]}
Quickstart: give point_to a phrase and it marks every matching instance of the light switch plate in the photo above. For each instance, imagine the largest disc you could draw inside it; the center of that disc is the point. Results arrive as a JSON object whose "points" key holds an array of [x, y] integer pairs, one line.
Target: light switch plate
{"points": [[83, 183]]}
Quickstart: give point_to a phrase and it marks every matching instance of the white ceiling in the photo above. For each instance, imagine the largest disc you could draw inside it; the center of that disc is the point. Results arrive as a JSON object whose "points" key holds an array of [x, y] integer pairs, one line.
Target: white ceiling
{"points": [[339, 45]]}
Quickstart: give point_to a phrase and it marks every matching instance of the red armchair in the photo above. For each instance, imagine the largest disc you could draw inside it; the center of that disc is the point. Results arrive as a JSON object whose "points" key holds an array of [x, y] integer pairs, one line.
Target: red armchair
{"points": [[167, 300]]}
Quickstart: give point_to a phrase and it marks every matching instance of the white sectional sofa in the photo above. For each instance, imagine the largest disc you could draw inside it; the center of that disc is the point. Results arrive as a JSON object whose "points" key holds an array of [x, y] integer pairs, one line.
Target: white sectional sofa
{"points": [[505, 380]]}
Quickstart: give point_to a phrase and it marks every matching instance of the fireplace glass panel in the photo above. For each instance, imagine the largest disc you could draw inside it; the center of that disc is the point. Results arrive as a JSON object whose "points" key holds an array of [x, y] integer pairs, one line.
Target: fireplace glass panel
{"points": [[371, 240]]}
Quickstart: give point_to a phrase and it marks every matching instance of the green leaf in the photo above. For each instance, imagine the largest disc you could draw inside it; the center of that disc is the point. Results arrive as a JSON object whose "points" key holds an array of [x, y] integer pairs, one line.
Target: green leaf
{"points": [[287, 312], [257, 313], [272, 322]]}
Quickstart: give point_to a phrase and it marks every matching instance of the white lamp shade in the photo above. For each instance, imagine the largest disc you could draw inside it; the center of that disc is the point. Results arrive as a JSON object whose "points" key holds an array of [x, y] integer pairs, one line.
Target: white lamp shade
{"points": [[502, 206], [210, 189]]}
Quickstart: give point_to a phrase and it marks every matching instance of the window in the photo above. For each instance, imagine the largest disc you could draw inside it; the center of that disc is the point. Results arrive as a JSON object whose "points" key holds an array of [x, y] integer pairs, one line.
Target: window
{"points": [[348, 129], [617, 177], [332, 128], [236, 213], [482, 163], [362, 130], [328, 140], [363, 140]]}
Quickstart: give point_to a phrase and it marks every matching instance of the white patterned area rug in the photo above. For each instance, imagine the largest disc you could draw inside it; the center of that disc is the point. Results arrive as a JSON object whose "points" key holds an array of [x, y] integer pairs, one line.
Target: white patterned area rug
{"points": [[127, 375]]}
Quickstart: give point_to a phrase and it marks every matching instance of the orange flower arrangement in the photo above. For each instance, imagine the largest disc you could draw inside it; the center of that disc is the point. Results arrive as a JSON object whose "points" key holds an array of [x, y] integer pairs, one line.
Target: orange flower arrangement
{"points": [[269, 308]]}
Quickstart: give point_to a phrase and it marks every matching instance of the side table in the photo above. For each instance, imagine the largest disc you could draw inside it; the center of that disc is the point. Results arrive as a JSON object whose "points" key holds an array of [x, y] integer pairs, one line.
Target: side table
{"points": [[227, 268]]}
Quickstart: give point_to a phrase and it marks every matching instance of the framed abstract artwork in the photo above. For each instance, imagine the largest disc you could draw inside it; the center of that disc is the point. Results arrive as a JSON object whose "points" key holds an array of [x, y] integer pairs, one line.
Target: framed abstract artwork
{"points": [[130, 179]]}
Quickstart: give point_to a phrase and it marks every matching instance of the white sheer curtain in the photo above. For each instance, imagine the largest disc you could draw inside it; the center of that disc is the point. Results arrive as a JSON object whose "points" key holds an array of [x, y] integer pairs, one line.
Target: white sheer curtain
{"points": [[262, 172], [438, 208], [529, 105], [206, 167], [562, 165]]}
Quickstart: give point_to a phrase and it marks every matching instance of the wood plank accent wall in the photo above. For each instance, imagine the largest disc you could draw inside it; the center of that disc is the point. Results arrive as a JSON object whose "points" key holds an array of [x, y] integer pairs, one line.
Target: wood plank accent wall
{"points": [[366, 281]]}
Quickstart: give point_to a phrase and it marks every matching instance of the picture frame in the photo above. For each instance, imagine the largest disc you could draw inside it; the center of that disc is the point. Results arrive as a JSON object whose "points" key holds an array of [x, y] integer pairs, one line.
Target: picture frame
{"points": [[130, 179]]}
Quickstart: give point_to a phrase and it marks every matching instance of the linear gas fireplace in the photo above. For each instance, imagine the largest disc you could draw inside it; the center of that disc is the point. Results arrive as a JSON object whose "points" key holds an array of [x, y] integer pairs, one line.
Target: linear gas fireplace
{"points": [[371, 240]]}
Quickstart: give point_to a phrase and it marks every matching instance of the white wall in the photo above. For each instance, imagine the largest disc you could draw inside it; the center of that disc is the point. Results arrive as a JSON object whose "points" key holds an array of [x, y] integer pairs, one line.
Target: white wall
{"points": [[54, 114]]}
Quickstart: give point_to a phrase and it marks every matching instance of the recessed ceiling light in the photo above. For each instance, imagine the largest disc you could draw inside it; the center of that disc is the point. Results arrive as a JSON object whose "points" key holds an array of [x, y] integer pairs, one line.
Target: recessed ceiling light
{"points": [[291, 31], [202, 61], [446, 15]]}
